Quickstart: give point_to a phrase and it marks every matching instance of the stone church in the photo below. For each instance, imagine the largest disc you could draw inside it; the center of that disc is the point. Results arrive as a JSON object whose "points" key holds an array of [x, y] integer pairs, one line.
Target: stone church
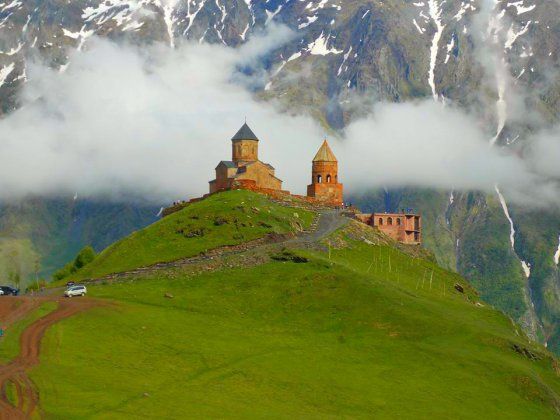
{"points": [[245, 169]]}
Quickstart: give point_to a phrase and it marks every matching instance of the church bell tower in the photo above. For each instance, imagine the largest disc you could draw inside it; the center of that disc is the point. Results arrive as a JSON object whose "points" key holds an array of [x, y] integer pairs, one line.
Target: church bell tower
{"points": [[324, 177], [244, 146]]}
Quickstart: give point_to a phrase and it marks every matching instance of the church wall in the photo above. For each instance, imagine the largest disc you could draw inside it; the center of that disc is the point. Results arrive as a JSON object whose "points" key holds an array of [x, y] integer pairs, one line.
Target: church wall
{"points": [[261, 174], [329, 193], [245, 150]]}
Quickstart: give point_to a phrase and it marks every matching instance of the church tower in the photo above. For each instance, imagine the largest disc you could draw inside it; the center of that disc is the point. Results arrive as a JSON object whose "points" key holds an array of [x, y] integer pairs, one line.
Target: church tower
{"points": [[244, 146], [324, 177]]}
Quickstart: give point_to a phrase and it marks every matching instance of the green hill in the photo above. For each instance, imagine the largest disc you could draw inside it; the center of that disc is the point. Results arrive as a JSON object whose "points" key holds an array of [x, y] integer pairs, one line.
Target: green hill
{"points": [[229, 218], [346, 325]]}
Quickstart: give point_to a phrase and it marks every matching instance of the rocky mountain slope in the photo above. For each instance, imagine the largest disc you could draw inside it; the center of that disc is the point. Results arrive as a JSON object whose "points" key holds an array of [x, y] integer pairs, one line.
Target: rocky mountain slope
{"points": [[498, 59]]}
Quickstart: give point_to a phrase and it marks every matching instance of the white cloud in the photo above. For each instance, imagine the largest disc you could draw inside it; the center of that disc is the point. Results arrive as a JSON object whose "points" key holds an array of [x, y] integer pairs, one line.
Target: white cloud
{"points": [[154, 122]]}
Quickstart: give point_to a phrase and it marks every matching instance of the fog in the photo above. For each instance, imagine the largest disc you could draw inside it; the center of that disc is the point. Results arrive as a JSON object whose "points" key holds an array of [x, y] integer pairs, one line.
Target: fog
{"points": [[123, 122]]}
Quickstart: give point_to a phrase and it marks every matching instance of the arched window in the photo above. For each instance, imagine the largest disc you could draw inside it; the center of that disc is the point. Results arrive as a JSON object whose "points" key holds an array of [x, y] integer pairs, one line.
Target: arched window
{"points": [[328, 179], [398, 221], [390, 221], [381, 221], [319, 179]]}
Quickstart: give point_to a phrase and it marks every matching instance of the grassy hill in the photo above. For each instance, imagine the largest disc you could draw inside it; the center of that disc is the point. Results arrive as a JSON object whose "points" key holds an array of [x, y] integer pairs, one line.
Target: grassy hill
{"points": [[351, 326], [229, 218]]}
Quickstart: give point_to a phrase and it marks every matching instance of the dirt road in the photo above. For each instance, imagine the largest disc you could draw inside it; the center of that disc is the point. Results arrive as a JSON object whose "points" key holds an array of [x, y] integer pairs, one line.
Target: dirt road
{"points": [[15, 372]]}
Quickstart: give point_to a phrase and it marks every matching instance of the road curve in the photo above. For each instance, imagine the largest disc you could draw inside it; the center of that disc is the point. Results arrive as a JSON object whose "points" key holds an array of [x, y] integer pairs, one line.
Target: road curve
{"points": [[15, 372]]}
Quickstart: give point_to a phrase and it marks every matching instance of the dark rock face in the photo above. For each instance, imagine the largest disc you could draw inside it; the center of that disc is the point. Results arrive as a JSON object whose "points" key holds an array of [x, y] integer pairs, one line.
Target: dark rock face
{"points": [[391, 50]]}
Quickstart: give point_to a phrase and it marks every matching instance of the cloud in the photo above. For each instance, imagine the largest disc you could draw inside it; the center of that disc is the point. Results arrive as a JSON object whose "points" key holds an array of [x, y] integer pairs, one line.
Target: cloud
{"points": [[128, 122], [425, 144]]}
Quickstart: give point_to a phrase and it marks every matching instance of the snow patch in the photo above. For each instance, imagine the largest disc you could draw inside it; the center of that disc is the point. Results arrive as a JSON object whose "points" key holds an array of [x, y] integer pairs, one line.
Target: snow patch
{"points": [[5, 72], [450, 47], [310, 20], [320, 46], [506, 212], [526, 266], [14, 50], [435, 13], [512, 35], [521, 8], [557, 255], [418, 26], [270, 15]]}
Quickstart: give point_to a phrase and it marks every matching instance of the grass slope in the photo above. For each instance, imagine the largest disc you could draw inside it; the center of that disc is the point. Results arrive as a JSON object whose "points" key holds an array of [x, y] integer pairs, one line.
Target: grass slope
{"points": [[360, 330], [227, 218]]}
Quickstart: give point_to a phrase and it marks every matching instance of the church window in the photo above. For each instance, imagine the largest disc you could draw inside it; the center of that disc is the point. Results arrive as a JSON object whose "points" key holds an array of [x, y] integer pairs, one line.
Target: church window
{"points": [[390, 221], [399, 221], [328, 179], [381, 221], [319, 179]]}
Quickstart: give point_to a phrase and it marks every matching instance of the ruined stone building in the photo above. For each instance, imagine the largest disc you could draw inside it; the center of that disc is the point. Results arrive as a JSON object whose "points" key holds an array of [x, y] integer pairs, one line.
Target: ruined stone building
{"points": [[244, 168], [403, 227], [324, 177]]}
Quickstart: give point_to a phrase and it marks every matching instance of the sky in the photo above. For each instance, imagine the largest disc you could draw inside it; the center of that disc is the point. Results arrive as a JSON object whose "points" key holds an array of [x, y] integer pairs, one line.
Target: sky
{"points": [[124, 123]]}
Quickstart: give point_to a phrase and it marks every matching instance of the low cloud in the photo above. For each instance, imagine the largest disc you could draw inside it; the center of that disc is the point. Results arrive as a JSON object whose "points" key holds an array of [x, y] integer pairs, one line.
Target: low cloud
{"points": [[152, 123]]}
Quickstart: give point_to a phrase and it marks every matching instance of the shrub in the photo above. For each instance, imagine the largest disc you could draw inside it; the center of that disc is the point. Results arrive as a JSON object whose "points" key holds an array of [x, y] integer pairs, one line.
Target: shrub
{"points": [[84, 257]]}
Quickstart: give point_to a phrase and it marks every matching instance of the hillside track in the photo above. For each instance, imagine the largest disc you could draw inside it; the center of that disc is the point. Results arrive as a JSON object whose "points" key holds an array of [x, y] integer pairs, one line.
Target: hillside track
{"points": [[15, 372]]}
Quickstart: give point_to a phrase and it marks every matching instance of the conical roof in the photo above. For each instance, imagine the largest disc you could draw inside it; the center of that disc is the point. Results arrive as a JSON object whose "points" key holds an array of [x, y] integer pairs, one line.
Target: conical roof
{"points": [[325, 154], [245, 133]]}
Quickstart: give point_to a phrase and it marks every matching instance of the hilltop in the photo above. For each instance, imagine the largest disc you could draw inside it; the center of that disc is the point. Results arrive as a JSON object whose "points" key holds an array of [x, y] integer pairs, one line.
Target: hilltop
{"points": [[323, 317]]}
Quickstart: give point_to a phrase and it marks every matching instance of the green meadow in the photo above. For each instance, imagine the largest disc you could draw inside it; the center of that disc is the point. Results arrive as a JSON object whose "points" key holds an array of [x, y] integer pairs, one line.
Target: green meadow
{"points": [[356, 328]]}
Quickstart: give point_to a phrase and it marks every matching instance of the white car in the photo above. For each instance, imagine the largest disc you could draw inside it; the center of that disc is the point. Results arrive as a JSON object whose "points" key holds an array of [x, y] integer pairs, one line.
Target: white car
{"points": [[77, 290]]}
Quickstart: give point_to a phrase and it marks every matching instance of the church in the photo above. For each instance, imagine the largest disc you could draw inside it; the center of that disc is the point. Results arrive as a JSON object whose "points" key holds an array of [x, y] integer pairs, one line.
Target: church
{"points": [[245, 170]]}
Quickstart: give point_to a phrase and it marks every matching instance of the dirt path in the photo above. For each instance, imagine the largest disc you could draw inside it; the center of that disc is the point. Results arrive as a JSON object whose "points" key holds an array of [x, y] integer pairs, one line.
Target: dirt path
{"points": [[15, 372], [326, 223]]}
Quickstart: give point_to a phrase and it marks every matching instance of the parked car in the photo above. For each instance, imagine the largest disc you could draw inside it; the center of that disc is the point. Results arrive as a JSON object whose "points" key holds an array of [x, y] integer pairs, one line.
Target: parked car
{"points": [[77, 290], [7, 290]]}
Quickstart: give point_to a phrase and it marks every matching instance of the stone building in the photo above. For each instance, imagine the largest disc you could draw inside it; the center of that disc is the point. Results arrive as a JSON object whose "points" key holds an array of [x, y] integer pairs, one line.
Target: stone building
{"points": [[244, 168], [324, 177], [403, 227]]}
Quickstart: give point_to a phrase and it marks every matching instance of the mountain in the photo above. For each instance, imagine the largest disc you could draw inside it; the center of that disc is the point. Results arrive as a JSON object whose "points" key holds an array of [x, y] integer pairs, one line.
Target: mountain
{"points": [[496, 59], [41, 234], [269, 320]]}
